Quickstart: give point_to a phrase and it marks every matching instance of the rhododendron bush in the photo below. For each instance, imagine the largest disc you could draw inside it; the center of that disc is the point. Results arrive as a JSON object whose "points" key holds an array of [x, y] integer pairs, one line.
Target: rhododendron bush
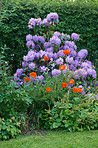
{"points": [[49, 50], [55, 76]]}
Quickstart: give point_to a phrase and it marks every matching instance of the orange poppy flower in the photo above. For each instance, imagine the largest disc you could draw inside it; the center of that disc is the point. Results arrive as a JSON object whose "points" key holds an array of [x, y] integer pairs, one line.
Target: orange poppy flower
{"points": [[62, 67], [46, 58], [64, 84], [77, 89], [33, 74], [66, 51], [48, 89], [71, 81], [27, 79]]}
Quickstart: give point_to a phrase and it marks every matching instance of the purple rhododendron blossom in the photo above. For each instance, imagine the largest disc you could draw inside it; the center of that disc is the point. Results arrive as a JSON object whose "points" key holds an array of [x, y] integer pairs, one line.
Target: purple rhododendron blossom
{"points": [[69, 59], [32, 22], [73, 53], [40, 78], [82, 53], [55, 40], [60, 53], [89, 62], [55, 72], [35, 38], [44, 69], [75, 36], [68, 36], [16, 78], [31, 65], [49, 54], [52, 16], [47, 45], [56, 33], [70, 43], [38, 21], [25, 58], [45, 22], [24, 64], [59, 61], [30, 27], [41, 52], [55, 56], [91, 72], [19, 72], [30, 56], [66, 47], [75, 47], [30, 44], [53, 65], [29, 37], [82, 72], [41, 39], [85, 65], [49, 49], [37, 55]]}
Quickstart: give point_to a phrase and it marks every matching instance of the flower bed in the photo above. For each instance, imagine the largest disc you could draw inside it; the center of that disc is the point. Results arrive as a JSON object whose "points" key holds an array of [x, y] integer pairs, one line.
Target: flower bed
{"points": [[57, 78]]}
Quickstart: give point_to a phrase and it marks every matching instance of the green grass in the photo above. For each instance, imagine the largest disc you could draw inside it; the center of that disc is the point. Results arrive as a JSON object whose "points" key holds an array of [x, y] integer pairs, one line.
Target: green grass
{"points": [[62, 139]]}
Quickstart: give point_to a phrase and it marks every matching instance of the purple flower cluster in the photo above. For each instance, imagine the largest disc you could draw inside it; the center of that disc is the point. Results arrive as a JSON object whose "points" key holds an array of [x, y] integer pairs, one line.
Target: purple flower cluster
{"points": [[33, 22], [82, 53], [55, 40], [52, 16], [33, 41], [47, 21], [56, 72], [75, 36], [50, 53]]}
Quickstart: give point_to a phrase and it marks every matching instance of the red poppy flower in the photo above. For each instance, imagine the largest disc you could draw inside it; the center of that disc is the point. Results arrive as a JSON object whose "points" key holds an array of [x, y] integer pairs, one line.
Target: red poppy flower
{"points": [[62, 67], [71, 81], [46, 58], [66, 51], [48, 89], [33, 74], [77, 89], [27, 79], [64, 84]]}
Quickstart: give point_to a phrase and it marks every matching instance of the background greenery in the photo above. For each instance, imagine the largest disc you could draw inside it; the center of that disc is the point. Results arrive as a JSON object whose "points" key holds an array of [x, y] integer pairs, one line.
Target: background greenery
{"points": [[78, 16]]}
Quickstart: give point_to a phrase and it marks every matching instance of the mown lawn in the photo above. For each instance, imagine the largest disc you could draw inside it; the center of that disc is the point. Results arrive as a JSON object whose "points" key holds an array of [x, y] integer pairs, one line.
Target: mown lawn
{"points": [[62, 139]]}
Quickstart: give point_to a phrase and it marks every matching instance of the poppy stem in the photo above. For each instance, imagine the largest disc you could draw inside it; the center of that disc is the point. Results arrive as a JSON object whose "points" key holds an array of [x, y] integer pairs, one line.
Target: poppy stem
{"points": [[68, 95]]}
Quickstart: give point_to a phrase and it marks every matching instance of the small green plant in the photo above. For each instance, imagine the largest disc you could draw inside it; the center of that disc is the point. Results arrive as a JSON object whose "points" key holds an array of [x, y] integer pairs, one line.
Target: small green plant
{"points": [[9, 128]]}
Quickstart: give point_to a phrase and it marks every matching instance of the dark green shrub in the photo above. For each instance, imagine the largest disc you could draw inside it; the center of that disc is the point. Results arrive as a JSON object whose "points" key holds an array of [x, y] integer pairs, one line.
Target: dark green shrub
{"points": [[12, 101], [78, 116]]}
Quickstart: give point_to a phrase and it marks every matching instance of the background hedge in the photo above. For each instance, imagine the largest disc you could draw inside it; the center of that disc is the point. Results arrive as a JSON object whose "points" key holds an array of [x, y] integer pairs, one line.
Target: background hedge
{"points": [[73, 17]]}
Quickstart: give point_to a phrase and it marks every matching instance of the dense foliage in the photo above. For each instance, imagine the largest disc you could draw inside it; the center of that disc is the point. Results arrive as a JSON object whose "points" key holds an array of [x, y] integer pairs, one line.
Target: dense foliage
{"points": [[71, 115], [13, 103], [74, 17]]}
